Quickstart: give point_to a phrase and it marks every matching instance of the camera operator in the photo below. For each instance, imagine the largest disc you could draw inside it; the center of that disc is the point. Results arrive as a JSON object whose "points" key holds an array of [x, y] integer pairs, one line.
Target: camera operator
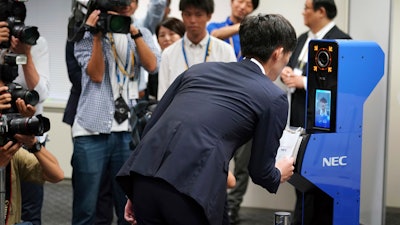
{"points": [[34, 75], [110, 65], [34, 163]]}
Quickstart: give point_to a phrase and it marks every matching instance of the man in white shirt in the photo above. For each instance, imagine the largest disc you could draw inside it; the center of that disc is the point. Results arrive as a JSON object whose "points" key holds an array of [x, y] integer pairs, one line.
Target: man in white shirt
{"points": [[197, 45]]}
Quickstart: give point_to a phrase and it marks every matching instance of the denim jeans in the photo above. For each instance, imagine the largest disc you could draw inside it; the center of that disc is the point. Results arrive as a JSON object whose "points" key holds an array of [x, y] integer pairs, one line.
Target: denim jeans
{"points": [[32, 202], [92, 157]]}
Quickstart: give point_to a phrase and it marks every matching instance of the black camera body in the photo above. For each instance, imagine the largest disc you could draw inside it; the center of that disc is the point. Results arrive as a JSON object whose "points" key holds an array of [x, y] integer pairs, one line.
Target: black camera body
{"points": [[9, 65], [17, 91], [26, 34], [113, 23], [11, 121], [11, 124], [109, 22], [106, 23]]}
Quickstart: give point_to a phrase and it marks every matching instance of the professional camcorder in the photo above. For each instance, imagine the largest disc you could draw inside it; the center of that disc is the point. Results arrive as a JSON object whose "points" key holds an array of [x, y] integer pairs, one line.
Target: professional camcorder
{"points": [[106, 23]]}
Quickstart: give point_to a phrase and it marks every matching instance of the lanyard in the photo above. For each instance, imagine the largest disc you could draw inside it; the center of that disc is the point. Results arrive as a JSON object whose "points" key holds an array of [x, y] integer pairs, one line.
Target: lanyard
{"points": [[119, 67], [207, 53], [117, 62]]}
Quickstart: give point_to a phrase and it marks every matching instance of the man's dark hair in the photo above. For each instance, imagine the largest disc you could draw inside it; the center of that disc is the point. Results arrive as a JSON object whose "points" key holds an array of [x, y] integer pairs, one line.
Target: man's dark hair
{"points": [[206, 5], [255, 4], [12, 8], [260, 35], [329, 5], [4, 10], [172, 23]]}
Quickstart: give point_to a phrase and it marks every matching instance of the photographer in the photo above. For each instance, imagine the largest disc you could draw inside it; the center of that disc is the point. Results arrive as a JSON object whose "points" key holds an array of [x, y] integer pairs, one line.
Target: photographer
{"points": [[110, 65], [34, 163], [34, 75]]}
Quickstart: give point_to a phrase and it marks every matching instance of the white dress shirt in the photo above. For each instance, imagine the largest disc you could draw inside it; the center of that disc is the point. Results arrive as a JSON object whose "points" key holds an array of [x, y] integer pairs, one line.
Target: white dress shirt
{"points": [[173, 61]]}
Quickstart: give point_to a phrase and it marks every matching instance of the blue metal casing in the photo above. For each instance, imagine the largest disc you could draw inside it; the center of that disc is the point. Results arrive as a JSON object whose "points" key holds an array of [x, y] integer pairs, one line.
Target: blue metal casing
{"points": [[331, 159]]}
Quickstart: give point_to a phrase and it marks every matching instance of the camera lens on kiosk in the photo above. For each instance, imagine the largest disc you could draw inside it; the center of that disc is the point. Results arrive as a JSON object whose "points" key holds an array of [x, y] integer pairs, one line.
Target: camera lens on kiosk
{"points": [[323, 58]]}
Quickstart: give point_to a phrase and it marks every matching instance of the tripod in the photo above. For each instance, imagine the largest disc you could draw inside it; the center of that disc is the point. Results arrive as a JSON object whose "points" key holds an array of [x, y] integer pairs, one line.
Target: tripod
{"points": [[2, 195]]}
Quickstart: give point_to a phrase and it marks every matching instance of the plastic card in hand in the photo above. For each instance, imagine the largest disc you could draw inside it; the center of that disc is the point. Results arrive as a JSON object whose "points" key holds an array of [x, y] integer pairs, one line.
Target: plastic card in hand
{"points": [[289, 143]]}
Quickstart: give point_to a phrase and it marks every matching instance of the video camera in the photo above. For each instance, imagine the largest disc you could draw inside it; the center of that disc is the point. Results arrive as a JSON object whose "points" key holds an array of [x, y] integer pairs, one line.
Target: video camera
{"points": [[106, 23]]}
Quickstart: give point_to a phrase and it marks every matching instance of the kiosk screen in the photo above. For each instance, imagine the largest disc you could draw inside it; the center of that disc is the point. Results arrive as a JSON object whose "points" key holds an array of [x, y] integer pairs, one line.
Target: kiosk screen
{"points": [[322, 109]]}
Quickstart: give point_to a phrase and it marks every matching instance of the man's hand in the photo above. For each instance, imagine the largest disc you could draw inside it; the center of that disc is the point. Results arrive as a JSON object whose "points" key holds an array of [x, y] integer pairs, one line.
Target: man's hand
{"points": [[19, 47], [129, 215], [4, 32], [28, 140], [5, 98], [286, 168], [93, 18], [290, 79], [24, 109], [7, 152]]}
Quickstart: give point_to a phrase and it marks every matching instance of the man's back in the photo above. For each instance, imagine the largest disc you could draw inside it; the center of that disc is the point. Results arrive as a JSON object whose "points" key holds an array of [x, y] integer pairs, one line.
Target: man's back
{"points": [[206, 114]]}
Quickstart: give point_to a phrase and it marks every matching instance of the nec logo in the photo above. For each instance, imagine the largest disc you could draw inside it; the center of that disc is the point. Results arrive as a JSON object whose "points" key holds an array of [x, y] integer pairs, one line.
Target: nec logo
{"points": [[334, 161]]}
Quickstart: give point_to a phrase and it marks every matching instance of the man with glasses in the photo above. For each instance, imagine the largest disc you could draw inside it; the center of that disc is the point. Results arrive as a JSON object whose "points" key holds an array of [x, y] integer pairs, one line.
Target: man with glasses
{"points": [[318, 16]]}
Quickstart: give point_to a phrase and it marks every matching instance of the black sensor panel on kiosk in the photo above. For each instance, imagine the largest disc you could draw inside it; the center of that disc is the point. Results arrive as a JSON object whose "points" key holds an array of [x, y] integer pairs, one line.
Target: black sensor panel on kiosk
{"points": [[322, 86]]}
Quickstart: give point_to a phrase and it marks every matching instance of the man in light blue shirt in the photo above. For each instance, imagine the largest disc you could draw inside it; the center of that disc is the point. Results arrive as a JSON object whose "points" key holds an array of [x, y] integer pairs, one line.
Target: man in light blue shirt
{"points": [[110, 65]]}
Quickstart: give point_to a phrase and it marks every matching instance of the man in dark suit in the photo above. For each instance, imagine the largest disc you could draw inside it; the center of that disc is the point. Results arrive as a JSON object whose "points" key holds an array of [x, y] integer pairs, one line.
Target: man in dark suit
{"points": [[318, 16], [177, 174]]}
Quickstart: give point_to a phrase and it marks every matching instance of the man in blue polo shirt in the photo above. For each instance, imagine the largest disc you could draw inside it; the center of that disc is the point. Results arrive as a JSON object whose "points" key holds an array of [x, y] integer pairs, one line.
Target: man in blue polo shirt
{"points": [[228, 30]]}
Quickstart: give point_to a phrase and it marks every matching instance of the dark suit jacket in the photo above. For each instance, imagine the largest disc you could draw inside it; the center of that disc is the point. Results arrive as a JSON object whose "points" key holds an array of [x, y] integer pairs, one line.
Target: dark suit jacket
{"points": [[207, 113], [74, 74], [297, 112]]}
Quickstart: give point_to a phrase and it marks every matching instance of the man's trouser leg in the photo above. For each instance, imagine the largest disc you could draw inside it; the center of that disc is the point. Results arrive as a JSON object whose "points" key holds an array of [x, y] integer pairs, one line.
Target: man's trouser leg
{"points": [[241, 173]]}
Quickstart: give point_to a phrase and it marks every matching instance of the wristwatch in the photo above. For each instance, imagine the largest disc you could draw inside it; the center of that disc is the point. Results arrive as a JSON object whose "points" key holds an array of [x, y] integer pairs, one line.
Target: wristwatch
{"points": [[35, 147], [138, 35]]}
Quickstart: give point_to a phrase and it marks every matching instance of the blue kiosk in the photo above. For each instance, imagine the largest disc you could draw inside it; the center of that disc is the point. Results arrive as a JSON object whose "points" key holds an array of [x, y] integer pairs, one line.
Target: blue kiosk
{"points": [[341, 75]]}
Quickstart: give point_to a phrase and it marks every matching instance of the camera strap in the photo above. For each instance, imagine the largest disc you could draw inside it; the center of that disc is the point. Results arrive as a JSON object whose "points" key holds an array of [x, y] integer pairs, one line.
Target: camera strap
{"points": [[7, 189]]}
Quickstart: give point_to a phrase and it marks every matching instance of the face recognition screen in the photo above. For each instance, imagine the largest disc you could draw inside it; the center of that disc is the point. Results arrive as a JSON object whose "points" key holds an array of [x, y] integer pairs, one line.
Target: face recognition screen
{"points": [[322, 109]]}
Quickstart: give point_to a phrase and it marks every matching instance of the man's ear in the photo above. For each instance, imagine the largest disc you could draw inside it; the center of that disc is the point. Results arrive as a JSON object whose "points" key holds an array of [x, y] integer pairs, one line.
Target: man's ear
{"points": [[209, 15], [278, 53], [322, 10]]}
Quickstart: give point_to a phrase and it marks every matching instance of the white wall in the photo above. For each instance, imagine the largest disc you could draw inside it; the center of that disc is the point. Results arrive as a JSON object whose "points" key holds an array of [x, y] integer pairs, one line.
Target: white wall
{"points": [[393, 153], [51, 18], [375, 28]]}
